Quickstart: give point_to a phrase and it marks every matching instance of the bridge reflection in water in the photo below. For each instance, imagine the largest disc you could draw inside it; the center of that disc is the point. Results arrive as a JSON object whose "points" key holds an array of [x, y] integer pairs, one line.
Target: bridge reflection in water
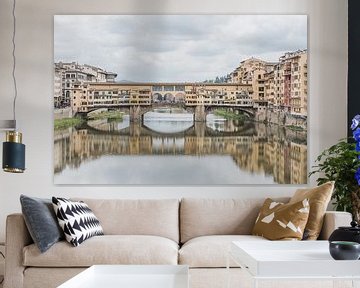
{"points": [[241, 153]]}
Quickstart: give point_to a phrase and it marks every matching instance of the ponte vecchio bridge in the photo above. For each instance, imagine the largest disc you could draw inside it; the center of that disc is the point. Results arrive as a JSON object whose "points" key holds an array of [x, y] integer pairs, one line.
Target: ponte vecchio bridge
{"points": [[140, 98]]}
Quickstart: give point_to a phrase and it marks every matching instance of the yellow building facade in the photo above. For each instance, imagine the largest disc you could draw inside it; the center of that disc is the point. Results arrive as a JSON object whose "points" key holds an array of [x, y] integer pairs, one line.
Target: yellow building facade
{"points": [[282, 84]]}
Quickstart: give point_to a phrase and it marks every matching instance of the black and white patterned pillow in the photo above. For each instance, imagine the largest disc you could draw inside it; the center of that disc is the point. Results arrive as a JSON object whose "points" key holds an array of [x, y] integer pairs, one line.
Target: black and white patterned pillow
{"points": [[77, 220]]}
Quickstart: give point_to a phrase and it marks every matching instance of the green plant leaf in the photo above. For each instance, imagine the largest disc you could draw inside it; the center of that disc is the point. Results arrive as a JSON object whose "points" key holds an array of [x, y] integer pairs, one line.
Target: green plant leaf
{"points": [[339, 163]]}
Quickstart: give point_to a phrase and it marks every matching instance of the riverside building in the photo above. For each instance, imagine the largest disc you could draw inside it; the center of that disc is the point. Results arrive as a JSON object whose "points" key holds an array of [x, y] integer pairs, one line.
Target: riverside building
{"points": [[254, 83]]}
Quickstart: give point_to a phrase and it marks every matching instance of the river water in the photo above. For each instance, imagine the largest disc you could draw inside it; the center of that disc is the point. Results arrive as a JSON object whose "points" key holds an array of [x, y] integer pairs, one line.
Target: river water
{"points": [[170, 149]]}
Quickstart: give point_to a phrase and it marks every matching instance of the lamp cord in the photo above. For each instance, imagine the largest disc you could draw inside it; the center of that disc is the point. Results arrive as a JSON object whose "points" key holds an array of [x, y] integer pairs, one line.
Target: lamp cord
{"points": [[14, 60], [2, 280]]}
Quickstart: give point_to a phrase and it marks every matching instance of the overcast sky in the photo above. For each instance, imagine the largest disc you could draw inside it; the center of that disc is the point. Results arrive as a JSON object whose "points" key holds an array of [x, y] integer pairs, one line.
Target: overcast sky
{"points": [[175, 48]]}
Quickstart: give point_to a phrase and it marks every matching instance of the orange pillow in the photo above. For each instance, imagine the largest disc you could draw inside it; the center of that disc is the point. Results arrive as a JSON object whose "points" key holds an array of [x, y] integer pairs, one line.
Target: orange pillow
{"points": [[319, 198], [279, 221]]}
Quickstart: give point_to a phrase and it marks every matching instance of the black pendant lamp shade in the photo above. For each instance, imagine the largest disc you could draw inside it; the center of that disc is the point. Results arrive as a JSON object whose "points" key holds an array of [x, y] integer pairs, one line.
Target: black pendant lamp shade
{"points": [[13, 153]]}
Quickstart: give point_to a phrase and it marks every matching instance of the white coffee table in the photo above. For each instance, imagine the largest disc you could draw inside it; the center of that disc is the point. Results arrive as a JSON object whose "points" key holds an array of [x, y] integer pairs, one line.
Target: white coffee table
{"points": [[296, 260], [131, 276]]}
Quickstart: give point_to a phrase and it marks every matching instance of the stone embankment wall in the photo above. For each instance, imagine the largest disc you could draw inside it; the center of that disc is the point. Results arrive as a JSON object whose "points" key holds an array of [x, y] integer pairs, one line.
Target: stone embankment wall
{"points": [[63, 113], [281, 118]]}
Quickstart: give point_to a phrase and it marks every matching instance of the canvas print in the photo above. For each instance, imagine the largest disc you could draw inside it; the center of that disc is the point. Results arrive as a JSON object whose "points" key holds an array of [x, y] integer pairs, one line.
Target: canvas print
{"points": [[180, 99]]}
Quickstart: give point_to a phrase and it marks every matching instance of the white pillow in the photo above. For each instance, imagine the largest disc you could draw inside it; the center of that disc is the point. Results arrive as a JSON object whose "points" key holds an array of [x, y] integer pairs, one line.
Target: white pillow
{"points": [[76, 220]]}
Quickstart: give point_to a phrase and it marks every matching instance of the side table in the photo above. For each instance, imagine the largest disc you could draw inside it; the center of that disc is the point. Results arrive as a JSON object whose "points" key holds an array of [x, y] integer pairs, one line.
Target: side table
{"points": [[293, 263]]}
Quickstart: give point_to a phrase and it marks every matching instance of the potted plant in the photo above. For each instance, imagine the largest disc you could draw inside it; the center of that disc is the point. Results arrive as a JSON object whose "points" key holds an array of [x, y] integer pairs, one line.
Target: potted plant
{"points": [[341, 163]]}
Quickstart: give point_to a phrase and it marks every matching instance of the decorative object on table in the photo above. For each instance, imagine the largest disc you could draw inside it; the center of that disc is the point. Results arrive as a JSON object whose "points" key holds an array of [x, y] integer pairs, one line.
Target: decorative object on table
{"points": [[341, 163], [344, 233], [319, 198], [77, 220], [279, 221], [13, 149], [344, 250]]}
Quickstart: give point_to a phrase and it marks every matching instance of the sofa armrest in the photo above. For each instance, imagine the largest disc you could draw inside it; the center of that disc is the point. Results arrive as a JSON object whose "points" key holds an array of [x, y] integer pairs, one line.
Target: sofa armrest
{"points": [[17, 237], [333, 220]]}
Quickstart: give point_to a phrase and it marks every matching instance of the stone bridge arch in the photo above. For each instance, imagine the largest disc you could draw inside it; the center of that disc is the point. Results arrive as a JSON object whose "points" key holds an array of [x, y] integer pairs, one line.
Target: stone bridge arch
{"points": [[250, 112], [180, 97], [168, 97], [137, 112], [163, 97], [157, 97]]}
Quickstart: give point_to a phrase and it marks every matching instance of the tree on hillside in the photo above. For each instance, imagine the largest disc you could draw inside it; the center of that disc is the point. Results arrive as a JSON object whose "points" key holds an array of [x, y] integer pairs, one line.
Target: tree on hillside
{"points": [[218, 79]]}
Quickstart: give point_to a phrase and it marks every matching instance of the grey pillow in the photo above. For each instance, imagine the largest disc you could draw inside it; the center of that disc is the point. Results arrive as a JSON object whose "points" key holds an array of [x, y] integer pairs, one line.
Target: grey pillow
{"points": [[41, 221]]}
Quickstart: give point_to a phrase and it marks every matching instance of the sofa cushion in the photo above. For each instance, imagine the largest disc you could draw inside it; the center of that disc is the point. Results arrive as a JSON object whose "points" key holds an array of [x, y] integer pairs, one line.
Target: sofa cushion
{"points": [[279, 221], [77, 220], [158, 217], [41, 221], [35, 277], [200, 217], [107, 249], [211, 251], [319, 198]]}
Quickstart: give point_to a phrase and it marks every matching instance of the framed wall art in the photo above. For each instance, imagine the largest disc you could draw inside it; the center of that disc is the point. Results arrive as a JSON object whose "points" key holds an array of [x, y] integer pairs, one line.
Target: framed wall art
{"points": [[180, 99]]}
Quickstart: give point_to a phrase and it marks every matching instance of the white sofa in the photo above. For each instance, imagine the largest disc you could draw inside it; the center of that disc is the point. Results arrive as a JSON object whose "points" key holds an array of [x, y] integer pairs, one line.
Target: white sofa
{"points": [[194, 232]]}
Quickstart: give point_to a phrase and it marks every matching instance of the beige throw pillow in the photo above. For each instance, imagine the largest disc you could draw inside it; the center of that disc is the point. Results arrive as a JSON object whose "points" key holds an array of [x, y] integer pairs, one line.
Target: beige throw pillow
{"points": [[319, 198], [279, 221]]}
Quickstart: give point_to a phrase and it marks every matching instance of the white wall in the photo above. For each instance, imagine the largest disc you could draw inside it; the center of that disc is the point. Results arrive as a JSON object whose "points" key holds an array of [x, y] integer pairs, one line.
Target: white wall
{"points": [[328, 67]]}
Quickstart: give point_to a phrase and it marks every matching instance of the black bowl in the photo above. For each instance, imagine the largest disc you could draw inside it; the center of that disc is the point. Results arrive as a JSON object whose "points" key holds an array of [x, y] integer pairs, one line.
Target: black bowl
{"points": [[344, 250]]}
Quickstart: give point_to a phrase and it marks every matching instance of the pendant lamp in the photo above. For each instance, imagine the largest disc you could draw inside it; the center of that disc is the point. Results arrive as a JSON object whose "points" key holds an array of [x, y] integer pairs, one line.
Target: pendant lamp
{"points": [[13, 149]]}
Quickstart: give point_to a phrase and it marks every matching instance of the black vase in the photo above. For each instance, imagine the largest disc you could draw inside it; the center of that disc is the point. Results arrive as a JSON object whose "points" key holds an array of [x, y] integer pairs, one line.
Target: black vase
{"points": [[351, 234], [344, 250]]}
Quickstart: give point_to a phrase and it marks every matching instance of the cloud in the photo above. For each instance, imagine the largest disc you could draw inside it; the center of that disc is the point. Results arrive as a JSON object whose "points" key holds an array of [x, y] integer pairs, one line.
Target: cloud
{"points": [[175, 47]]}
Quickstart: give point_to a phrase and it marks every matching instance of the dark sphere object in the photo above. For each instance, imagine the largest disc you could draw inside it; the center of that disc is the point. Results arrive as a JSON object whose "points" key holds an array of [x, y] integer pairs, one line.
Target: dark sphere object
{"points": [[343, 250], [351, 234], [353, 223]]}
